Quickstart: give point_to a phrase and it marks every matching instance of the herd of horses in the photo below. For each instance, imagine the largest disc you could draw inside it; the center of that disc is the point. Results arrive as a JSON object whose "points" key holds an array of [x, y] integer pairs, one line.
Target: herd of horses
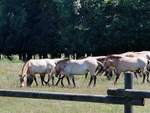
{"points": [[136, 62]]}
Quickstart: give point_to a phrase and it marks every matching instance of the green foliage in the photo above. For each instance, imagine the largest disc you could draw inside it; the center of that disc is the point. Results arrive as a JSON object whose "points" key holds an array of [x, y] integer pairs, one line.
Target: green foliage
{"points": [[74, 26]]}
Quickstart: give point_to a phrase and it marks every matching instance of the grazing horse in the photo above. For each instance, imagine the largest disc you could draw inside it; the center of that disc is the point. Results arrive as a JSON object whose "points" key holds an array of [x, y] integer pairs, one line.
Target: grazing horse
{"points": [[123, 64], [70, 68], [37, 66]]}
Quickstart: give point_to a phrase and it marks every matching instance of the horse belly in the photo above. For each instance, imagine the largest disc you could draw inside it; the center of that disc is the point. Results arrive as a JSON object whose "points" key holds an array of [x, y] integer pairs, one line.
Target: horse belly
{"points": [[38, 69], [131, 66], [76, 70]]}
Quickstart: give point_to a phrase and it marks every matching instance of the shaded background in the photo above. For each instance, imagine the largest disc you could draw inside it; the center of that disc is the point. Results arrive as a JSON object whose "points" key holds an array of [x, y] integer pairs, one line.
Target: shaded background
{"points": [[97, 27]]}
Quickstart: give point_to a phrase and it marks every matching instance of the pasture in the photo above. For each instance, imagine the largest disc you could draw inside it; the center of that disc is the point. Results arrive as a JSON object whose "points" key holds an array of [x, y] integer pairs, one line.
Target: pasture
{"points": [[9, 80]]}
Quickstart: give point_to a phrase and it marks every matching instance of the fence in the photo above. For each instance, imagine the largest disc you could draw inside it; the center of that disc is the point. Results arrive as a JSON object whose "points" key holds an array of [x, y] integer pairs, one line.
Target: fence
{"points": [[128, 97]]}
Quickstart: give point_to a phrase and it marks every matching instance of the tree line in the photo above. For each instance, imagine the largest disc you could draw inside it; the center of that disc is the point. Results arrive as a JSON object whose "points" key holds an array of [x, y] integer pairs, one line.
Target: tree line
{"points": [[96, 27]]}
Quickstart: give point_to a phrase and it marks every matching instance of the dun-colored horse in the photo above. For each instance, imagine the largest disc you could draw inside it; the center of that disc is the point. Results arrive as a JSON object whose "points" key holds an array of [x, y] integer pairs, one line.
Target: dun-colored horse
{"points": [[37, 66], [70, 68], [123, 64]]}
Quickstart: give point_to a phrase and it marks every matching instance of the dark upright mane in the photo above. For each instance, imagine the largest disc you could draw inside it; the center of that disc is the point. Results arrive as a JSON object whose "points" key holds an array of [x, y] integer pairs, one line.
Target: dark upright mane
{"points": [[113, 57], [63, 61]]}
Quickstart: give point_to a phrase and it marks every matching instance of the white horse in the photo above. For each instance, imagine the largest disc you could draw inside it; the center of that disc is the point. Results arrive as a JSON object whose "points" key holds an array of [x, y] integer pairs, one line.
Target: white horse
{"points": [[38, 66], [70, 68], [123, 64]]}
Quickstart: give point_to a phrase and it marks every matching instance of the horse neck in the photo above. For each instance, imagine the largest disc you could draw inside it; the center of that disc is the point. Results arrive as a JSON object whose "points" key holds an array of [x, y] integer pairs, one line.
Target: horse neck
{"points": [[25, 68], [62, 62], [59, 66], [114, 63]]}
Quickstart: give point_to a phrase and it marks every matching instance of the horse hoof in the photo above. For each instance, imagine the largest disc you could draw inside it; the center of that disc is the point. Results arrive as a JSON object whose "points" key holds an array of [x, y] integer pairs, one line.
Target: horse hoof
{"points": [[148, 81]]}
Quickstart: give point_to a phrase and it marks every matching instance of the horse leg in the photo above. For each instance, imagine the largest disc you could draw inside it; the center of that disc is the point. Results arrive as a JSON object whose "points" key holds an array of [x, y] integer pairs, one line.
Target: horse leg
{"points": [[95, 77], [73, 81], [135, 74], [62, 78], [148, 78], [42, 79], [47, 82], [99, 70], [109, 74], [117, 77], [52, 80], [68, 80], [50, 74], [35, 80], [58, 80], [144, 75], [42, 76], [86, 75], [91, 79], [29, 80]]}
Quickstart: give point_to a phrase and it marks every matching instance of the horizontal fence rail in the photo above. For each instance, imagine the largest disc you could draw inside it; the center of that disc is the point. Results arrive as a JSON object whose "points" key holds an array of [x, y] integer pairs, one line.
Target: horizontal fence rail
{"points": [[71, 97], [129, 93]]}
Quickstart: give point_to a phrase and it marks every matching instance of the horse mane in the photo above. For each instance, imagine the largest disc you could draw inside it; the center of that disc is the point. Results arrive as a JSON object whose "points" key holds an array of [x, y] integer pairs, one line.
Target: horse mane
{"points": [[25, 68], [113, 57], [130, 55], [101, 59], [63, 60]]}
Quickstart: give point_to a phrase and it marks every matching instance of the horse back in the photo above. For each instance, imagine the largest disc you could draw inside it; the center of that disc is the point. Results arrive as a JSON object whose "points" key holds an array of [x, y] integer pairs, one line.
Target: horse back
{"points": [[39, 66]]}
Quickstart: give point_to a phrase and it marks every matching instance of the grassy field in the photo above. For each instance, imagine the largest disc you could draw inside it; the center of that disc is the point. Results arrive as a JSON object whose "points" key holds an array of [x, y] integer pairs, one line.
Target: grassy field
{"points": [[9, 80]]}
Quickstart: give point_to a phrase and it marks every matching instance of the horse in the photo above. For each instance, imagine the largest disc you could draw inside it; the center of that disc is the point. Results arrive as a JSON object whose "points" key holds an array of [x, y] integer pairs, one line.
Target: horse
{"points": [[70, 68], [123, 64], [37, 66], [141, 54], [147, 70]]}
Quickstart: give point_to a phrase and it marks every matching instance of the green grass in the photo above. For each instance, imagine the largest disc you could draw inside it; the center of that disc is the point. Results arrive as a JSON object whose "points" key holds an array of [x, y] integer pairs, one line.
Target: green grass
{"points": [[9, 80]]}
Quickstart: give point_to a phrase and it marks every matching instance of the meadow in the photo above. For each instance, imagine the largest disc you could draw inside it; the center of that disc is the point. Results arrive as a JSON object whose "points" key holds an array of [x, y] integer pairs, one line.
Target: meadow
{"points": [[9, 79]]}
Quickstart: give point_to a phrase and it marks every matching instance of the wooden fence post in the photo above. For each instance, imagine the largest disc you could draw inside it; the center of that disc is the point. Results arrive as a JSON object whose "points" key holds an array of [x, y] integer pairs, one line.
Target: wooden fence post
{"points": [[128, 81]]}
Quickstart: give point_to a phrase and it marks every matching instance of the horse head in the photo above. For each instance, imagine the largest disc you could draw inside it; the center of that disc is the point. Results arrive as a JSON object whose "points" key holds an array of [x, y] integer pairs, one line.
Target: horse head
{"points": [[25, 80], [110, 62], [21, 79]]}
